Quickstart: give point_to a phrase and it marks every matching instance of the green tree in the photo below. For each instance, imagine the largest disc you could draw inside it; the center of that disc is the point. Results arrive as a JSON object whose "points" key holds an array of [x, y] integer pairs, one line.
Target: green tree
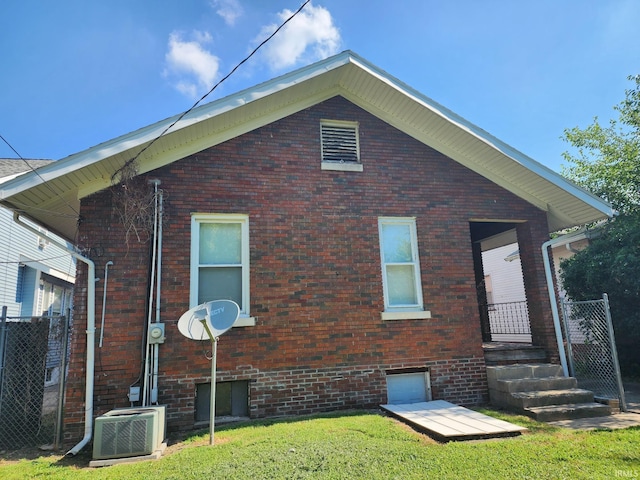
{"points": [[607, 162]]}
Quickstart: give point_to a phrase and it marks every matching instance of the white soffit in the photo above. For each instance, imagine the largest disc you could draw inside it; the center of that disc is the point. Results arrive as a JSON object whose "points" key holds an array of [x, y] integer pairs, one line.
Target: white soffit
{"points": [[346, 74]]}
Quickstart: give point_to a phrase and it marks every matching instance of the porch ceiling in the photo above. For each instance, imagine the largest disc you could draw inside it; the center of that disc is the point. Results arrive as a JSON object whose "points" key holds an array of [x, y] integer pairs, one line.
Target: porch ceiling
{"points": [[492, 235], [51, 196]]}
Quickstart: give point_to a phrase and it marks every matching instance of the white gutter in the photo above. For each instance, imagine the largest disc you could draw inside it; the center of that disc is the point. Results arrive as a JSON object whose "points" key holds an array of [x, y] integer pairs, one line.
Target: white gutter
{"points": [[91, 333], [564, 239]]}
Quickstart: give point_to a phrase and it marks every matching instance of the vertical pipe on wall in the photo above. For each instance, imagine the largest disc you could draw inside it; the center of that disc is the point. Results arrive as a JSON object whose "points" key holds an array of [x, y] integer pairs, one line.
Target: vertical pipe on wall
{"points": [[150, 367], [552, 294], [156, 347], [159, 243], [91, 332], [104, 300]]}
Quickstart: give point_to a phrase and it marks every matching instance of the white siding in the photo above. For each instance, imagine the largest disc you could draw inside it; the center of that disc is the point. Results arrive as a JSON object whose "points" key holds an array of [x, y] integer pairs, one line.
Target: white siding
{"points": [[19, 246], [561, 252], [506, 277], [507, 284]]}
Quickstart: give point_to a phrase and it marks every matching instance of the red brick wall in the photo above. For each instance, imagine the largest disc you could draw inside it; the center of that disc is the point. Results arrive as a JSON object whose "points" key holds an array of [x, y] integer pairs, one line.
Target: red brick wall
{"points": [[531, 236], [316, 289]]}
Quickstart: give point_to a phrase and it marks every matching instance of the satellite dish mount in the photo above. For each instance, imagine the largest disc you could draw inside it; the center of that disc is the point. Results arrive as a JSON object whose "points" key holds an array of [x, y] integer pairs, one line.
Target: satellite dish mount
{"points": [[209, 321]]}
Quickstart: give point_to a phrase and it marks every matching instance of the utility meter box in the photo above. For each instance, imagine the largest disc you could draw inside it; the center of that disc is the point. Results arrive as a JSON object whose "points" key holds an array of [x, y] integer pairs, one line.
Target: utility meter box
{"points": [[156, 333]]}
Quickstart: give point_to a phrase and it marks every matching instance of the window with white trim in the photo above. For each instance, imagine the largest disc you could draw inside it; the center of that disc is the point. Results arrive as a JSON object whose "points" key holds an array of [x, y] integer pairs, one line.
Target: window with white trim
{"points": [[220, 259], [400, 265], [340, 145]]}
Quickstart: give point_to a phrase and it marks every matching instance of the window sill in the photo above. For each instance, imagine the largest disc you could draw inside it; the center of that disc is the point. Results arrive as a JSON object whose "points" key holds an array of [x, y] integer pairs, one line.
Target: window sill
{"points": [[422, 315], [245, 322], [342, 167]]}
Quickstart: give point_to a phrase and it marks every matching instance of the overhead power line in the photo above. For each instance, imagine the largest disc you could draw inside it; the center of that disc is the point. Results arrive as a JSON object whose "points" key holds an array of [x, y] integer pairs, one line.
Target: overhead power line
{"points": [[244, 60], [129, 162], [45, 182]]}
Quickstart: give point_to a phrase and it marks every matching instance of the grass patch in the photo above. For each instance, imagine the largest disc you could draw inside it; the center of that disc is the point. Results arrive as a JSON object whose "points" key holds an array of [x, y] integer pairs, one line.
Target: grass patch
{"points": [[364, 445]]}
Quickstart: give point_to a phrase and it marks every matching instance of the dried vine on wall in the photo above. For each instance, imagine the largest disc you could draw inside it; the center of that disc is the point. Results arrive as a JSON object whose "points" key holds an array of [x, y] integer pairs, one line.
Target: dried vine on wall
{"points": [[133, 202]]}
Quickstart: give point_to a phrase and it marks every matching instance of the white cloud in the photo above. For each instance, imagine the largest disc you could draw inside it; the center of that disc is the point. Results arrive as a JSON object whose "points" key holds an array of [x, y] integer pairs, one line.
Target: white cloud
{"points": [[191, 66], [229, 10], [309, 36]]}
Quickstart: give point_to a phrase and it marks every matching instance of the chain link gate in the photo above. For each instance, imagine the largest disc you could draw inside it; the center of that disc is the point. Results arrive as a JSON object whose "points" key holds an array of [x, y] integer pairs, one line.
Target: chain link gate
{"points": [[33, 357], [591, 348]]}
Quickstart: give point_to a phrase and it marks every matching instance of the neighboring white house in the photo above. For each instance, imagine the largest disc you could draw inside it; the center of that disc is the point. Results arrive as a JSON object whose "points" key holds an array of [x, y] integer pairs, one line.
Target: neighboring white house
{"points": [[503, 275], [503, 272], [36, 277], [506, 298], [504, 285], [562, 251]]}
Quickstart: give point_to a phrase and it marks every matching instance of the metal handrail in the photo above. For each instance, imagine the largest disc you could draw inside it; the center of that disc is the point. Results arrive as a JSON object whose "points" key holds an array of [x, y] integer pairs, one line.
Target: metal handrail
{"points": [[510, 318]]}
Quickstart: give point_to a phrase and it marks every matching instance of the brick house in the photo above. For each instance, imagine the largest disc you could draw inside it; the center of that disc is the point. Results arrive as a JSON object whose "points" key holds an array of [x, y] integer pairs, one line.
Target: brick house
{"points": [[352, 211]]}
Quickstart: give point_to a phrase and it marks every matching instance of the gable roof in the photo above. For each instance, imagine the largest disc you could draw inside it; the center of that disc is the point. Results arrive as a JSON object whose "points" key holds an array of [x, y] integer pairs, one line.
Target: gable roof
{"points": [[12, 167], [345, 74]]}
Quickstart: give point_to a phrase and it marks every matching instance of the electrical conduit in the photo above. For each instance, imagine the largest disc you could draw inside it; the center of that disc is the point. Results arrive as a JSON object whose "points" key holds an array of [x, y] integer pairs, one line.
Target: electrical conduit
{"points": [[104, 299], [150, 362], [156, 347]]}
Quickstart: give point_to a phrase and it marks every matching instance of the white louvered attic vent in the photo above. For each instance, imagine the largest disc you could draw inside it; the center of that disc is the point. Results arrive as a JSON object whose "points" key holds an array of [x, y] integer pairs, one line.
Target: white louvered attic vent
{"points": [[340, 146]]}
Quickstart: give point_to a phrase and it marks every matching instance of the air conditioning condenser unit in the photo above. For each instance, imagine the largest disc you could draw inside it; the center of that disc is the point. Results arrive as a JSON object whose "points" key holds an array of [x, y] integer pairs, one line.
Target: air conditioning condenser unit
{"points": [[129, 432]]}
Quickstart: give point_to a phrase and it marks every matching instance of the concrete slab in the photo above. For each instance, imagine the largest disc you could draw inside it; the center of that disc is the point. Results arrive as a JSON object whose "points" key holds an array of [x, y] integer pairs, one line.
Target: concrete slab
{"points": [[632, 396], [116, 461], [611, 422]]}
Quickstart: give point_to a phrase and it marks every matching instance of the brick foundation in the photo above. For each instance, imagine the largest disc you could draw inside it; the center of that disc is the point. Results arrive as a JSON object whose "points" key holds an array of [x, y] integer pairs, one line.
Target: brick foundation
{"points": [[311, 390]]}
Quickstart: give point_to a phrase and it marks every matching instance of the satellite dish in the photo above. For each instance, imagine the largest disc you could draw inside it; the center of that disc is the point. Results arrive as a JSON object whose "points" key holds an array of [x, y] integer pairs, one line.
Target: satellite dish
{"points": [[219, 316], [207, 322]]}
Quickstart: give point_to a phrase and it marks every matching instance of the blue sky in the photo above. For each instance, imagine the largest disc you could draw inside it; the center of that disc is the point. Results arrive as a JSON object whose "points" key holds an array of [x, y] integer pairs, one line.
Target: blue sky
{"points": [[76, 73]]}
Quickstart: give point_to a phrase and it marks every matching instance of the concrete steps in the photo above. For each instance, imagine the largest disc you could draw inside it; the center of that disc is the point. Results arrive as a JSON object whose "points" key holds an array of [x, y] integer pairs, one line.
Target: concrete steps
{"points": [[502, 353], [569, 411], [547, 398], [541, 392]]}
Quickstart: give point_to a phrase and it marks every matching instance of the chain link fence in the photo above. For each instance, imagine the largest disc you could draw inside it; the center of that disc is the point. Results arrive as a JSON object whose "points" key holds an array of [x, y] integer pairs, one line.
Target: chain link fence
{"points": [[33, 354], [591, 348]]}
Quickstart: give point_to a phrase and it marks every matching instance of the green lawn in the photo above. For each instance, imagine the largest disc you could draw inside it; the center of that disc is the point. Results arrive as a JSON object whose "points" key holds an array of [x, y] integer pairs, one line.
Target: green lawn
{"points": [[363, 445]]}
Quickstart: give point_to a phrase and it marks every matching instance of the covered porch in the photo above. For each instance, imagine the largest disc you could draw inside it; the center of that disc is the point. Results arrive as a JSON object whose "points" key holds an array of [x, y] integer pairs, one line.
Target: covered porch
{"points": [[513, 303]]}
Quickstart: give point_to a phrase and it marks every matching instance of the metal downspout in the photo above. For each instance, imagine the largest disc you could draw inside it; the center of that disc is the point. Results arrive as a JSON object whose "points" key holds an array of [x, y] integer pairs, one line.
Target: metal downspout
{"points": [[552, 296], [91, 333]]}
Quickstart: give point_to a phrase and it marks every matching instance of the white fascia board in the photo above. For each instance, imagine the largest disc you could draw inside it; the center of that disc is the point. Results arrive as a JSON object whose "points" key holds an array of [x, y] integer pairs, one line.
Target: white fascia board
{"points": [[139, 138], [251, 94], [487, 138], [11, 177], [160, 159], [136, 140]]}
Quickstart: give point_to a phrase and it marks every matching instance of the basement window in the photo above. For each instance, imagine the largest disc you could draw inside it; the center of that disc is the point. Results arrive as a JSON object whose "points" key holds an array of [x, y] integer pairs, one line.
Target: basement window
{"points": [[340, 146], [232, 400], [408, 385]]}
